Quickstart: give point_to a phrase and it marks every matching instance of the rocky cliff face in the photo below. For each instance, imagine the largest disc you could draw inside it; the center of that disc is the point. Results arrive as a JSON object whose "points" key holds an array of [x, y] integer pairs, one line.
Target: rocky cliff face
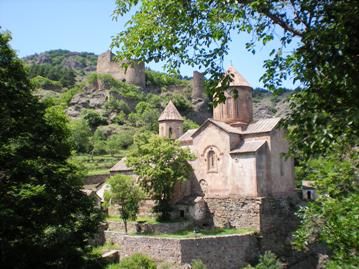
{"points": [[94, 96]]}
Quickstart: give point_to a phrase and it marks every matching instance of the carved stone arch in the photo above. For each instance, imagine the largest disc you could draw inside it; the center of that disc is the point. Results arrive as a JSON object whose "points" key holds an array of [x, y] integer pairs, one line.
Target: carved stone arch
{"points": [[211, 155], [211, 147]]}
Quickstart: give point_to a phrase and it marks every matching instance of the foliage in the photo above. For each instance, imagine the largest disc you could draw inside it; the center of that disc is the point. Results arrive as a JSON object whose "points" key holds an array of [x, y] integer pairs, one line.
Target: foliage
{"points": [[45, 218], [160, 163], [64, 76], [154, 78], [120, 141], [324, 112], [40, 82], [137, 260], [93, 119], [198, 264], [126, 193], [99, 250], [80, 135], [67, 95], [145, 115], [267, 261], [333, 218], [189, 124], [96, 165], [203, 232]]}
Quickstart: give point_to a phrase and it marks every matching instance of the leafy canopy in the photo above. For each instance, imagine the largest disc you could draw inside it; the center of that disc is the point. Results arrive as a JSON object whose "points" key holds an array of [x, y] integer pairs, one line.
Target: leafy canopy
{"points": [[160, 163], [127, 194], [45, 218]]}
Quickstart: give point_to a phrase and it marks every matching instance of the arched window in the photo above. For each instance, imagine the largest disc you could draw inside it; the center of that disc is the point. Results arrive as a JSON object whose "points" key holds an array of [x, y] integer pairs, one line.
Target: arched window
{"points": [[212, 161], [170, 132]]}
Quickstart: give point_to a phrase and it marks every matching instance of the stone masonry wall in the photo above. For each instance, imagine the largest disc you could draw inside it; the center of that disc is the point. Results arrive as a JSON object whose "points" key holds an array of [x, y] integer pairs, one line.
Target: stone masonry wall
{"points": [[217, 252], [160, 249], [235, 212], [230, 252], [95, 179], [148, 228], [278, 221]]}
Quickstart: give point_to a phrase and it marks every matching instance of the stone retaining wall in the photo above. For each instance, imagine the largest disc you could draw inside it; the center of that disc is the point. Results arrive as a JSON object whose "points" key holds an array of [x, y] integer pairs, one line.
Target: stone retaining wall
{"points": [[216, 252], [94, 179], [235, 212], [172, 227]]}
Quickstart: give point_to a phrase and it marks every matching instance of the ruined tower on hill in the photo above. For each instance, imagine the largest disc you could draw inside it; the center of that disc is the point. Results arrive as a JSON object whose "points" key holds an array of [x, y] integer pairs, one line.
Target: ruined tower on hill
{"points": [[197, 85], [135, 74]]}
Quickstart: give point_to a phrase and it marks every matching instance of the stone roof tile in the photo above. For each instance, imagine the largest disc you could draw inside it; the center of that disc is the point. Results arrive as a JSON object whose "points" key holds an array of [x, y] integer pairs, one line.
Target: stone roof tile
{"points": [[249, 146], [170, 113], [120, 166], [237, 78]]}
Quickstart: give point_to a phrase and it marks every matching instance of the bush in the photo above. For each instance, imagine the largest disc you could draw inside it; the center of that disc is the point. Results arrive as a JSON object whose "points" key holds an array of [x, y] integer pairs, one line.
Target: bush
{"points": [[267, 261], [40, 82], [159, 79], [189, 124], [119, 141], [198, 264], [67, 96], [94, 119], [136, 261]]}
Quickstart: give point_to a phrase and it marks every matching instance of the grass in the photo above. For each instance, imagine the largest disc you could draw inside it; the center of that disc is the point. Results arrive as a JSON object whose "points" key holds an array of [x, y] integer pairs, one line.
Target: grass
{"points": [[98, 164], [203, 233], [145, 219], [99, 250]]}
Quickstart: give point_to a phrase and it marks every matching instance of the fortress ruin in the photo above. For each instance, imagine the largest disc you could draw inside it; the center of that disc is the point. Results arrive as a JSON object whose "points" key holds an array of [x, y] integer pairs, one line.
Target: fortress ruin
{"points": [[134, 74]]}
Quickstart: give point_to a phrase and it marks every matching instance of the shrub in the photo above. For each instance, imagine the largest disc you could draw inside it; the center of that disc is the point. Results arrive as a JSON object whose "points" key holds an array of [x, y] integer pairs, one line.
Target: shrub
{"points": [[94, 119], [267, 261], [189, 124], [40, 82], [198, 264], [138, 261]]}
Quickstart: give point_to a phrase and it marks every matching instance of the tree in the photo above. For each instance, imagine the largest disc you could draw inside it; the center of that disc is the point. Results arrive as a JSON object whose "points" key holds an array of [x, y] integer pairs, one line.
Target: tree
{"points": [[45, 218], [323, 123], [127, 195], [160, 163], [80, 135]]}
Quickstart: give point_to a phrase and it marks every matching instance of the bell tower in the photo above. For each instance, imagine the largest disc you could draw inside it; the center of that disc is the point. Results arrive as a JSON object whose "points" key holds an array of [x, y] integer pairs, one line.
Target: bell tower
{"points": [[236, 110], [170, 122]]}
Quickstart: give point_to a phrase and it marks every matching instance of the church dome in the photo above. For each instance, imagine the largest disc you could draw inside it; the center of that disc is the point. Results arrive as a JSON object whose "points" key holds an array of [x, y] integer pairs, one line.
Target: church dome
{"points": [[236, 109]]}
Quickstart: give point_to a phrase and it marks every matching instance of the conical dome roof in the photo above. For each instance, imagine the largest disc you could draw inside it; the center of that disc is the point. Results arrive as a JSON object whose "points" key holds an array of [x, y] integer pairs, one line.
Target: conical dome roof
{"points": [[170, 113], [237, 79]]}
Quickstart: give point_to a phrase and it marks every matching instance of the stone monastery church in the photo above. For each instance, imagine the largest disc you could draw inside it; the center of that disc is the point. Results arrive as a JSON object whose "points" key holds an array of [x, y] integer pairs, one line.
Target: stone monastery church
{"points": [[239, 163]]}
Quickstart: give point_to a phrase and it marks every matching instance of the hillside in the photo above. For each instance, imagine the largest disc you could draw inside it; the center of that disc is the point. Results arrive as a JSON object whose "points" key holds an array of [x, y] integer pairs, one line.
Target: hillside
{"points": [[106, 113]]}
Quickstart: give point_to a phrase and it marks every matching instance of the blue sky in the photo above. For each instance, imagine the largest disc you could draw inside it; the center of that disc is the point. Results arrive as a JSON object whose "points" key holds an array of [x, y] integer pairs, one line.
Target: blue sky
{"points": [[87, 25]]}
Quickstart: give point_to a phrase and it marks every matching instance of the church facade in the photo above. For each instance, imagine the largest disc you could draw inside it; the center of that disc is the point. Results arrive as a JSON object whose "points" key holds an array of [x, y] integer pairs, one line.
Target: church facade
{"points": [[235, 156], [241, 176]]}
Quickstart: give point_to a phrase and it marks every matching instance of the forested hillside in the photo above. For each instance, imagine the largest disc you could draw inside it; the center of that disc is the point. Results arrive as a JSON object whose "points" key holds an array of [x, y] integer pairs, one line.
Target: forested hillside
{"points": [[105, 114]]}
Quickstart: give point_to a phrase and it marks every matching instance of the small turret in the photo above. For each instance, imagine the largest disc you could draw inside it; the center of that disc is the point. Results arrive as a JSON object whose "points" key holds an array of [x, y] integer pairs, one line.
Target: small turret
{"points": [[236, 110], [170, 122]]}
